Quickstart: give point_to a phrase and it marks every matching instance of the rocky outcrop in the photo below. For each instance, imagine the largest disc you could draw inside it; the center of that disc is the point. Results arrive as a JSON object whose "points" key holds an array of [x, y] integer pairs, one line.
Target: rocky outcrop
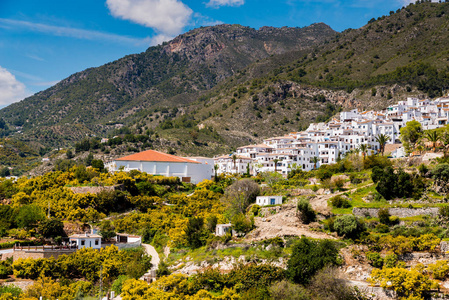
{"points": [[396, 211]]}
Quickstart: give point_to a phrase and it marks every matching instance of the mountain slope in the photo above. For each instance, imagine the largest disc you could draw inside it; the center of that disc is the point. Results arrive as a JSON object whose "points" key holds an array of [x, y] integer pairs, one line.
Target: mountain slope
{"points": [[219, 87], [166, 75]]}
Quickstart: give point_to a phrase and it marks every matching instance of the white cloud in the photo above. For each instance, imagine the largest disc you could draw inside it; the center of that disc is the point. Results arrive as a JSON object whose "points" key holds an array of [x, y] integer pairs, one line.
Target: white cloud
{"points": [[12, 24], [11, 90], [167, 17], [218, 3], [160, 38]]}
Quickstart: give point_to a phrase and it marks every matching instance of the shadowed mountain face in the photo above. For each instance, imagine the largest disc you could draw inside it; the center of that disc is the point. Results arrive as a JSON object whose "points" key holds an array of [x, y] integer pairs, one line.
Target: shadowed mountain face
{"points": [[172, 74]]}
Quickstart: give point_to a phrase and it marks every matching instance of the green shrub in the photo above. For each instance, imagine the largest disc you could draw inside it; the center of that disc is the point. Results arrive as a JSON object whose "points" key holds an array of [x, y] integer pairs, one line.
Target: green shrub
{"points": [[375, 259], [14, 291], [255, 209], [444, 211], [309, 256], [348, 226], [340, 202], [118, 283], [354, 178], [306, 212], [390, 260], [382, 228], [242, 224], [394, 220], [384, 216], [423, 169]]}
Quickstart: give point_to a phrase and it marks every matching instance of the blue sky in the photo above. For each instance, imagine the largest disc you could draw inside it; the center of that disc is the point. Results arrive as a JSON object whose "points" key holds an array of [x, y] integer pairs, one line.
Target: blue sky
{"points": [[42, 42]]}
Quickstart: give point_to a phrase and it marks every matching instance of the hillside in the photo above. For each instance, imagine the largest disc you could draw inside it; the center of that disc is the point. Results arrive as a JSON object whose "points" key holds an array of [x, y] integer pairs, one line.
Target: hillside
{"points": [[172, 74], [216, 88]]}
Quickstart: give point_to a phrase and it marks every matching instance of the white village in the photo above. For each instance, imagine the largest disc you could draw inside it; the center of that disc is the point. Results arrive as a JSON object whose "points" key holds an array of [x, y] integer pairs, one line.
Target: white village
{"points": [[325, 143]]}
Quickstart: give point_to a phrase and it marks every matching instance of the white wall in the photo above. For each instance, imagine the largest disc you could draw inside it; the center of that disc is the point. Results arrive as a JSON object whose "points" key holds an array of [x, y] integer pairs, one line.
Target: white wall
{"points": [[266, 200], [196, 172]]}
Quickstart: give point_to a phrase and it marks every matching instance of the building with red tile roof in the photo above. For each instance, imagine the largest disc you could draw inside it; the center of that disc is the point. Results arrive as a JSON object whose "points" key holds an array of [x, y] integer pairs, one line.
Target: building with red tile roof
{"points": [[158, 163]]}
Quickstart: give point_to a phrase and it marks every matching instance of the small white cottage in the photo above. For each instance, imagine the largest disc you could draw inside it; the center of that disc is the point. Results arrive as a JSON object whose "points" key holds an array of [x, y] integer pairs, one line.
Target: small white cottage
{"points": [[85, 240], [222, 229], [268, 200]]}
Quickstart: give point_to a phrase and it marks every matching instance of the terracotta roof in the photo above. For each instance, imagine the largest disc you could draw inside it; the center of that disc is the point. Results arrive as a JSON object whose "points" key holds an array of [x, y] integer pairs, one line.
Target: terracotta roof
{"points": [[152, 155]]}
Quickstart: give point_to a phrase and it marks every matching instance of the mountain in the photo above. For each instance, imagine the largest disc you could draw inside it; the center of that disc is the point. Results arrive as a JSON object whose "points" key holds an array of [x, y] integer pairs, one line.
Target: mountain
{"points": [[171, 74], [216, 88]]}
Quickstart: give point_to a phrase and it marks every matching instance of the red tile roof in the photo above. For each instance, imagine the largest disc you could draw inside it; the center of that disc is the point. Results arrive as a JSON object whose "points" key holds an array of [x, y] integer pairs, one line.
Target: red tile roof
{"points": [[152, 155]]}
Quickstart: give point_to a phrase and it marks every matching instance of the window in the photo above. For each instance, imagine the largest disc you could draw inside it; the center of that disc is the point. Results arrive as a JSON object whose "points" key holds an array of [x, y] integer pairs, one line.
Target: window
{"points": [[83, 242], [96, 242]]}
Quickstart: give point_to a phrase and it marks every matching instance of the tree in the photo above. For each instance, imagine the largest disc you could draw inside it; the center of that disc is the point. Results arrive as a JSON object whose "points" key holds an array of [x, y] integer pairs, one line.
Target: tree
{"points": [[382, 139], [69, 154], [234, 160], [308, 257], [196, 234], [410, 134], [433, 137], [107, 230], [98, 164], [445, 140], [4, 172], [51, 228], [215, 172], [364, 149], [239, 195], [315, 160], [275, 161], [89, 159], [28, 216], [441, 175]]}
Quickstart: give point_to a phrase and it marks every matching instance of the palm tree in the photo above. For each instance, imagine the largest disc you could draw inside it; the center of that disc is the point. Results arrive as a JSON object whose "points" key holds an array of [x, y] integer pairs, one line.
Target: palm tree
{"points": [[445, 140], [363, 148], [234, 159], [433, 137], [275, 164], [382, 139], [216, 170], [315, 161]]}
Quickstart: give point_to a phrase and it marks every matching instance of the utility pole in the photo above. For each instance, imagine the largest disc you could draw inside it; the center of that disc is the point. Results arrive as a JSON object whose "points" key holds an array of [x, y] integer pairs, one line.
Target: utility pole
{"points": [[101, 281]]}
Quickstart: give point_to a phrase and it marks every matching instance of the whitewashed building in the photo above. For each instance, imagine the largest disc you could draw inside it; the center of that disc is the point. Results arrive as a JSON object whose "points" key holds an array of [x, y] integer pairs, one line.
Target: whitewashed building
{"points": [[158, 163], [268, 200], [85, 240]]}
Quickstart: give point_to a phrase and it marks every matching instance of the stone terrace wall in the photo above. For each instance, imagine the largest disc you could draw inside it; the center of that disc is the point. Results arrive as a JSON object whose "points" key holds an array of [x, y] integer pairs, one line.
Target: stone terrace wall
{"points": [[35, 254], [93, 189], [396, 211]]}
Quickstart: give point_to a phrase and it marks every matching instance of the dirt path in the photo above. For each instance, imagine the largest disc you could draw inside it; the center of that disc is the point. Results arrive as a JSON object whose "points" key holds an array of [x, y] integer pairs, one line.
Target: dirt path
{"points": [[282, 223], [154, 255], [319, 203], [283, 220]]}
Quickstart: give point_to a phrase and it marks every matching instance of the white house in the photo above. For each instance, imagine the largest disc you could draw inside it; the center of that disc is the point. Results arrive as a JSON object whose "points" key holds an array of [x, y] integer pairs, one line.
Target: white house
{"points": [[222, 229], [158, 163], [268, 200], [85, 240], [237, 165]]}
